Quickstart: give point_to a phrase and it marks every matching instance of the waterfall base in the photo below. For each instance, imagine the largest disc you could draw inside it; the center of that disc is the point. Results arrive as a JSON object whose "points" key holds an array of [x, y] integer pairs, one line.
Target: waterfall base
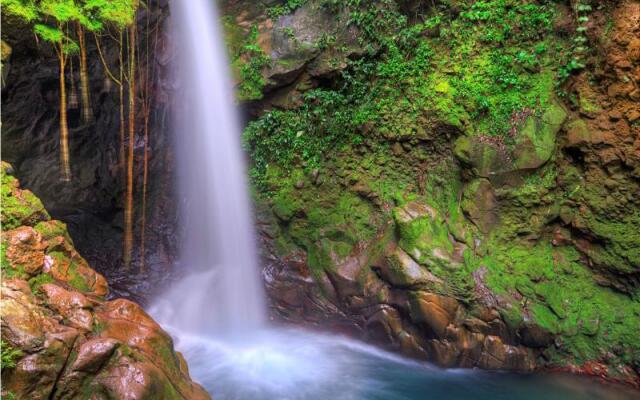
{"points": [[293, 364]]}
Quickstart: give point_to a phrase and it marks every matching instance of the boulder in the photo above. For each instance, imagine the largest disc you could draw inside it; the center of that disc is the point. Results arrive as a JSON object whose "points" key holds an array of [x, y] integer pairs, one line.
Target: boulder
{"points": [[72, 343], [25, 250], [19, 207], [73, 306], [400, 270], [536, 142], [533, 335], [424, 234], [480, 204], [433, 311], [533, 145]]}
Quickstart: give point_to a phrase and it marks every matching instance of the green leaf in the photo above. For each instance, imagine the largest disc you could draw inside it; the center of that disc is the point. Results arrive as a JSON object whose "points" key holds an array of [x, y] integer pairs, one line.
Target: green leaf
{"points": [[62, 10], [70, 47], [23, 9], [48, 33], [118, 12]]}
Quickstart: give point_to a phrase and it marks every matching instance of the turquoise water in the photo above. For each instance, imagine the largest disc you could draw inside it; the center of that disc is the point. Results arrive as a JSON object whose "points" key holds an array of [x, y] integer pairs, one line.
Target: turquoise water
{"points": [[294, 365]]}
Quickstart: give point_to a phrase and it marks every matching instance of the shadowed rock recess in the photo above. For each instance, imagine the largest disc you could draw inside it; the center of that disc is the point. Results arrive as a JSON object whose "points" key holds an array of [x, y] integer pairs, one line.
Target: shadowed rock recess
{"points": [[458, 181], [60, 338]]}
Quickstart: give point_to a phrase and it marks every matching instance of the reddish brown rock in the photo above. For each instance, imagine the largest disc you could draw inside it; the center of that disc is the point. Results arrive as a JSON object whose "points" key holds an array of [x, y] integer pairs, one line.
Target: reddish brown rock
{"points": [[73, 306], [435, 312], [25, 249], [72, 343]]}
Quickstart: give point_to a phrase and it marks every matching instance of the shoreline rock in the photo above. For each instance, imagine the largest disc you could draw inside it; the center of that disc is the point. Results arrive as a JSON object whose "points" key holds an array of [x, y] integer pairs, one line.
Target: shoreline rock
{"points": [[67, 341]]}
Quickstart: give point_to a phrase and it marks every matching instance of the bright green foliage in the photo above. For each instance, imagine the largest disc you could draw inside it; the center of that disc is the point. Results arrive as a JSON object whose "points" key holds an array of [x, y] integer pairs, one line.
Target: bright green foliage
{"points": [[250, 60], [9, 355], [48, 33], [62, 10], [43, 13], [491, 61], [51, 15], [120, 13], [23, 9], [288, 7]]}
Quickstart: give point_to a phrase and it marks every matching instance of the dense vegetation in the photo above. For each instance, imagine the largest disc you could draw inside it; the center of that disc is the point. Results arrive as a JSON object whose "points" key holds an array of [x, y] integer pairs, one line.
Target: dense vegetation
{"points": [[479, 70]]}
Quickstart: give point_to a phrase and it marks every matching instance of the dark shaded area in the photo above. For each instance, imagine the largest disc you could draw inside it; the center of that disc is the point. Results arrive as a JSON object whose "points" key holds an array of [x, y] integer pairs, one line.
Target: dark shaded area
{"points": [[92, 204]]}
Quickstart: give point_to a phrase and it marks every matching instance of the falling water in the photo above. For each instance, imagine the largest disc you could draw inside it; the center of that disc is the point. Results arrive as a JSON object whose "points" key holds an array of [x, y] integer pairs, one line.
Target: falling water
{"points": [[222, 294]]}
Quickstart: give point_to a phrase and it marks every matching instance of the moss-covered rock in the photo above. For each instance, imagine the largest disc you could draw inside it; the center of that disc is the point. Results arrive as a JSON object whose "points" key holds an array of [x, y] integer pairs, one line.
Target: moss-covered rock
{"points": [[424, 234], [19, 207], [67, 341], [532, 145], [536, 142]]}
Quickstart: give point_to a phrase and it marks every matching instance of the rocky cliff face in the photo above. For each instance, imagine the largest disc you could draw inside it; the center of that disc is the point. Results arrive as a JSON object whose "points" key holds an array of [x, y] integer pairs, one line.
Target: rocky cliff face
{"points": [[60, 338], [92, 205], [457, 192]]}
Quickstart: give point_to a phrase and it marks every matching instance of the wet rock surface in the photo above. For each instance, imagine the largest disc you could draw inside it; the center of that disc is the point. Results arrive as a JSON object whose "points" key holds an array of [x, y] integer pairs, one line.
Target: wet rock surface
{"points": [[71, 342]]}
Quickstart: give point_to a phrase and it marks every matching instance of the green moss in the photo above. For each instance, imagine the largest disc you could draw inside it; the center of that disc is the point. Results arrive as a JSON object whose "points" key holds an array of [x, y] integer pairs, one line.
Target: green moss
{"points": [[333, 227], [475, 75], [37, 281], [561, 296], [19, 207], [73, 276], [536, 143], [586, 105], [486, 73], [52, 229], [424, 238], [621, 249], [9, 355]]}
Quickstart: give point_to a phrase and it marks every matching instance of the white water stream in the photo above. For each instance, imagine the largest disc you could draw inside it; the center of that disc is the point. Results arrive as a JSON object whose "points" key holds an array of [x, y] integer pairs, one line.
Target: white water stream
{"points": [[223, 293]]}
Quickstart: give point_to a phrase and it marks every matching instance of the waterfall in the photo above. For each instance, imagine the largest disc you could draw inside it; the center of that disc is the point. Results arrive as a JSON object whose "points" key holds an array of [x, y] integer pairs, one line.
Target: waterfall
{"points": [[222, 292]]}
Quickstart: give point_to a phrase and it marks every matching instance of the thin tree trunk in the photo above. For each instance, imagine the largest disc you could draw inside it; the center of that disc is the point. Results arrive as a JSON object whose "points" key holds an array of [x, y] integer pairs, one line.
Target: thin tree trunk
{"points": [[128, 210], [121, 94], [65, 166], [145, 175], [87, 110], [147, 101], [72, 97]]}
